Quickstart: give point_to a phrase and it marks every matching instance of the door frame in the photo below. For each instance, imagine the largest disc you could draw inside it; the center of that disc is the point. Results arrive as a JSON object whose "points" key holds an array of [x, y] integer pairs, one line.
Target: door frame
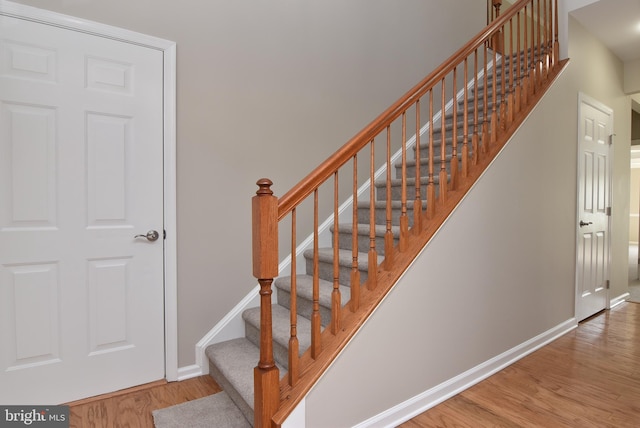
{"points": [[583, 98], [168, 48]]}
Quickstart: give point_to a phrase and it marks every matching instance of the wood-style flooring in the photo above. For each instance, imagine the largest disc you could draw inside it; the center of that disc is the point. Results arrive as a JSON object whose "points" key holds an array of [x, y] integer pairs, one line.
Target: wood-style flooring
{"points": [[132, 408], [588, 378]]}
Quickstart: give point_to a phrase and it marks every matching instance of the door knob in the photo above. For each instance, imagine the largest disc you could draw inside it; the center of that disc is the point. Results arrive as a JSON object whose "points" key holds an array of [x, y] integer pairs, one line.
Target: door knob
{"points": [[151, 235], [583, 223]]}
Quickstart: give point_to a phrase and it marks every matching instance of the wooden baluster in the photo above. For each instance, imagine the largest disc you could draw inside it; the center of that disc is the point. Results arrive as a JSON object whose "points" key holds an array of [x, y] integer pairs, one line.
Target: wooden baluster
{"points": [[494, 96], [550, 37], [526, 82], [417, 203], [404, 219], [476, 96], [355, 272], [316, 343], [502, 113], [265, 268], [540, 45], [294, 345], [388, 235], [535, 78], [545, 48], [372, 272], [556, 45], [485, 106], [518, 87], [541, 42], [336, 298], [431, 187], [453, 165], [512, 71], [442, 189], [534, 69], [465, 121]]}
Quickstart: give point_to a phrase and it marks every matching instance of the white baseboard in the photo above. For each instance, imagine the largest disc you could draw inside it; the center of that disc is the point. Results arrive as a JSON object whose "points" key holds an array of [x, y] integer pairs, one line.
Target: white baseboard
{"points": [[188, 372], [617, 300], [428, 399], [229, 327]]}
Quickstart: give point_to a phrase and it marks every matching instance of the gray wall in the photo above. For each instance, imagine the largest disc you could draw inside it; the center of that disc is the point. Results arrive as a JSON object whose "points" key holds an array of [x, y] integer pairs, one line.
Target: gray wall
{"points": [[270, 88], [501, 270]]}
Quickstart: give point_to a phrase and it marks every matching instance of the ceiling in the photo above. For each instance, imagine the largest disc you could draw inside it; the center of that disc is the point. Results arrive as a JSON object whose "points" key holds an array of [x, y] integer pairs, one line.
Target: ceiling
{"points": [[616, 23]]}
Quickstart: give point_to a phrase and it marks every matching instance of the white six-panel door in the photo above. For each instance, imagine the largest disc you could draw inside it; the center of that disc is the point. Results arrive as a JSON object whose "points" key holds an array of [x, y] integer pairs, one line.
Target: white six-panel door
{"points": [[594, 133], [81, 173]]}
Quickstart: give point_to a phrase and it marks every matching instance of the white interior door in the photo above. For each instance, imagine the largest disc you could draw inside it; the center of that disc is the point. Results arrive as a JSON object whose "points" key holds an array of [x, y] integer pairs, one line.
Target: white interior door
{"points": [[81, 173], [594, 175]]}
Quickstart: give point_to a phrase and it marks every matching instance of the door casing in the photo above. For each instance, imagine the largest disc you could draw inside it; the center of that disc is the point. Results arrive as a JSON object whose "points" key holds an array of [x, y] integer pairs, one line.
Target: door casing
{"points": [[168, 49]]}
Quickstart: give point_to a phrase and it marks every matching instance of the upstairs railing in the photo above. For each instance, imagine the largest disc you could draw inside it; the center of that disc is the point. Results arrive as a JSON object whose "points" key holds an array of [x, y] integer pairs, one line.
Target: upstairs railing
{"points": [[445, 131], [493, 12]]}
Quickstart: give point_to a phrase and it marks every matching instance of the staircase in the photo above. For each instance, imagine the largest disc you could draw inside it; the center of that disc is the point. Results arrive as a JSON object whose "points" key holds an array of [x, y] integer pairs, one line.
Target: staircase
{"points": [[482, 97], [232, 362]]}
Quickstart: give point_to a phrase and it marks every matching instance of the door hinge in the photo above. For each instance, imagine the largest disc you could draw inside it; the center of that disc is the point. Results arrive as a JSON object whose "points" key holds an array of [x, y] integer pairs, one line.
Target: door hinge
{"points": [[164, 234], [607, 284], [611, 139], [608, 211]]}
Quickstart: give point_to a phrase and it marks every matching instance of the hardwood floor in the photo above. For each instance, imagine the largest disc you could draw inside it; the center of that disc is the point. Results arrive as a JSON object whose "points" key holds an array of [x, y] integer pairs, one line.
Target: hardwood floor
{"points": [[589, 377], [132, 408]]}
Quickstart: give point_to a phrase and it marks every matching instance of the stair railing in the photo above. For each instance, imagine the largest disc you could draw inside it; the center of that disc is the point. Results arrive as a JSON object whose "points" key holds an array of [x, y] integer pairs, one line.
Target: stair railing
{"points": [[490, 93]]}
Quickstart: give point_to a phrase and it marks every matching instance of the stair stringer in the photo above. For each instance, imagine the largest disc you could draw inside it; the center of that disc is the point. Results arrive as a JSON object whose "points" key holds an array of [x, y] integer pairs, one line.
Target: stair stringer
{"points": [[231, 326]]}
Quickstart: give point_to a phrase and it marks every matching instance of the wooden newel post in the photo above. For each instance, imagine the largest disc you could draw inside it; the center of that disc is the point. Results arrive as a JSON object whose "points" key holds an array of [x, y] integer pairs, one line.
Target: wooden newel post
{"points": [[265, 267]]}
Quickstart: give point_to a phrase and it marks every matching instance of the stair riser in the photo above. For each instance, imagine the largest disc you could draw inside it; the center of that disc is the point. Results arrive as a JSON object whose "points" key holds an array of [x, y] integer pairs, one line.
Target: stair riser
{"points": [[227, 387], [460, 112], [280, 352], [424, 165], [304, 307], [326, 272], [381, 215], [437, 132], [424, 149], [346, 243], [396, 191]]}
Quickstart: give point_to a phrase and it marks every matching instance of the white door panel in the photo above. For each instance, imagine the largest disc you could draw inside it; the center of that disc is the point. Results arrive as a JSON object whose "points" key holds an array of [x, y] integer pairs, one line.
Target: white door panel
{"points": [[81, 173], [595, 129]]}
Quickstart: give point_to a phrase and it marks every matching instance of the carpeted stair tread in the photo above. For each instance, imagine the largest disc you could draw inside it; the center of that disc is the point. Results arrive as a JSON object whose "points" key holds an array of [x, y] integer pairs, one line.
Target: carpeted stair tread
{"points": [[217, 410], [304, 286], [381, 211], [231, 366], [381, 205], [424, 161], [345, 257], [364, 228], [411, 182]]}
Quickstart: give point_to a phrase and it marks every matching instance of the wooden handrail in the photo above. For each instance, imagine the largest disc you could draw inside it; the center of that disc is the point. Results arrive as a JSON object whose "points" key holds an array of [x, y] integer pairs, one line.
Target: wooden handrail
{"points": [[470, 104], [325, 170]]}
